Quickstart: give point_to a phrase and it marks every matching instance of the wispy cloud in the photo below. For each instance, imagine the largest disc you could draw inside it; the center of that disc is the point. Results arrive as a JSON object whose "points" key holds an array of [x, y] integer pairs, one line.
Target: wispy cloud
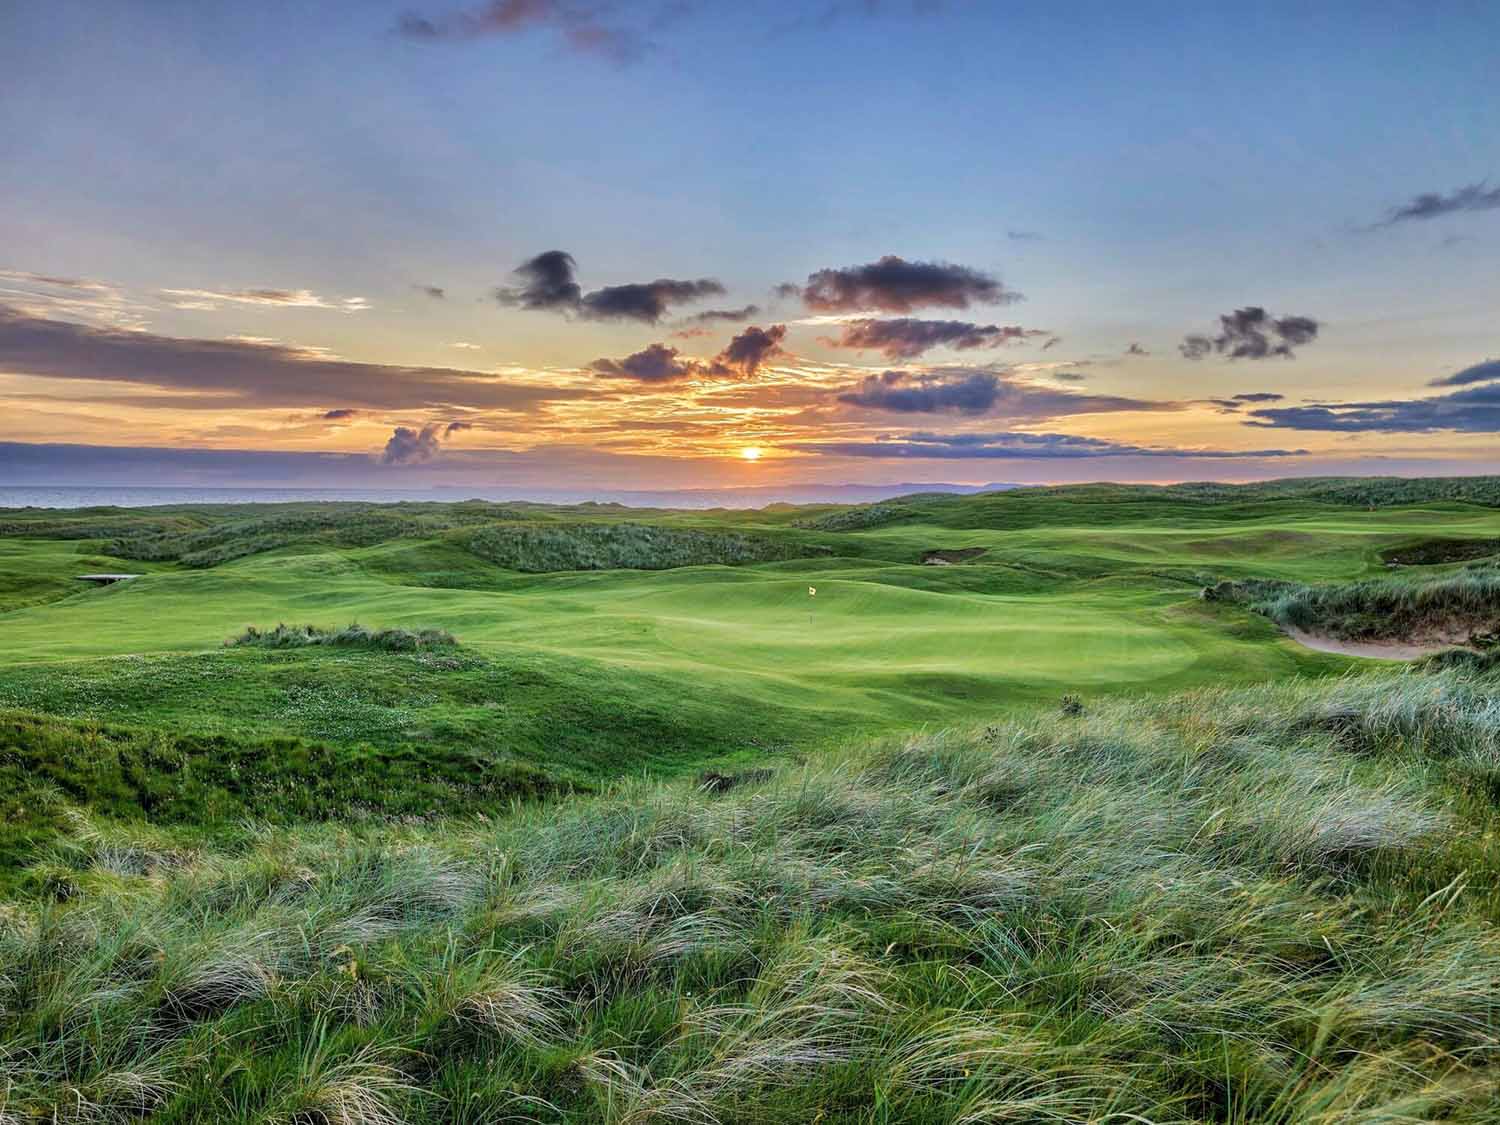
{"points": [[208, 299], [216, 374], [1434, 204], [907, 338], [1021, 446], [1475, 410], [606, 31]]}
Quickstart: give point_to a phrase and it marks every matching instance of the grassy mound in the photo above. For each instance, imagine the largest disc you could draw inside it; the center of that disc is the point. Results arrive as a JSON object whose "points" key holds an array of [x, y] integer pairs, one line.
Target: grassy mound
{"points": [[543, 548], [212, 783], [350, 636], [1449, 606], [575, 723], [1253, 906], [331, 524]]}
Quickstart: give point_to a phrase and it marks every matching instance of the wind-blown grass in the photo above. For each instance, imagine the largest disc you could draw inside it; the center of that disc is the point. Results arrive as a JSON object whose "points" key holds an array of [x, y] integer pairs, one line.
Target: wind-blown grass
{"points": [[1264, 905], [1447, 606]]}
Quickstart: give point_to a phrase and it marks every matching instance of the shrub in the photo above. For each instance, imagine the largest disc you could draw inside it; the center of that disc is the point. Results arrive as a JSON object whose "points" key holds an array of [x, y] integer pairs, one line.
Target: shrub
{"points": [[350, 636], [541, 548]]}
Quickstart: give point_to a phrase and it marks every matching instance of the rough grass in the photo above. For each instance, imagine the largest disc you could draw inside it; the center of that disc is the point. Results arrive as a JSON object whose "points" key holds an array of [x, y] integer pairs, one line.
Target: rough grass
{"points": [[1267, 905], [1453, 605], [541, 548], [350, 636]]}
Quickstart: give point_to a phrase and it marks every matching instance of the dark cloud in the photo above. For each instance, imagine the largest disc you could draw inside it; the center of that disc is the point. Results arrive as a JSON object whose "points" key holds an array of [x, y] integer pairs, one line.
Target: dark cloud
{"points": [[1252, 333], [969, 392], [645, 301], [1070, 376], [659, 363], [436, 292], [1472, 411], [549, 284], [1021, 446], [455, 427], [895, 285], [1052, 343], [742, 357], [786, 291], [220, 374], [1023, 236], [413, 447], [1136, 349], [339, 415], [1238, 402], [581, 26], [751, 348], [1432, 204], [1485, 372], [907, 338], [731, 316]]}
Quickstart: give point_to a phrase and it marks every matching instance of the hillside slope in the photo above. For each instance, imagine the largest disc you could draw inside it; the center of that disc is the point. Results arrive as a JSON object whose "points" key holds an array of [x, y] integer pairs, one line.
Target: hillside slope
{"points": [[1265, 905]]}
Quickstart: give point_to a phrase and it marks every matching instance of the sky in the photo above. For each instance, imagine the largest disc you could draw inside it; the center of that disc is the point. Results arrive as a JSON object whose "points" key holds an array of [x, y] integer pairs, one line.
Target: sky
{"points": [[657, 244]]}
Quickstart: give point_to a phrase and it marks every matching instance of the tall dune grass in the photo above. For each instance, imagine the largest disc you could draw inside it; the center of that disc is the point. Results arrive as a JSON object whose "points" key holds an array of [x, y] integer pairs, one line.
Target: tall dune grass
{"points": [[1268, 905]]}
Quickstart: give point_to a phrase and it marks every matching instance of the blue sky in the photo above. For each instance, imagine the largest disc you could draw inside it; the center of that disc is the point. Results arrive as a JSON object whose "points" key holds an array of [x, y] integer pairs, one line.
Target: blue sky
{"points": [[1135, 171]]}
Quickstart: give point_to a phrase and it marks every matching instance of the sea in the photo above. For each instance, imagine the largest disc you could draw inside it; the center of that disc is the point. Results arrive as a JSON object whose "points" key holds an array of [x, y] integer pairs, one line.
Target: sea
{"points": [[145, 496], [93, 496]]}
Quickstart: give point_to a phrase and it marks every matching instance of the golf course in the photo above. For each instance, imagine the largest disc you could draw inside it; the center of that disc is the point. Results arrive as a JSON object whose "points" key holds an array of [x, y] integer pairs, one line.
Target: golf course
{"points": [[1019, 806], [848, 633]]}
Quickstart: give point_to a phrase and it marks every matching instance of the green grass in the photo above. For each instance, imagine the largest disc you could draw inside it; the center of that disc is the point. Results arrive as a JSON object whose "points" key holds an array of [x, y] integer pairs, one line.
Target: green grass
{"points": [[1081, 590], [1265, 905], [1041, 836]]}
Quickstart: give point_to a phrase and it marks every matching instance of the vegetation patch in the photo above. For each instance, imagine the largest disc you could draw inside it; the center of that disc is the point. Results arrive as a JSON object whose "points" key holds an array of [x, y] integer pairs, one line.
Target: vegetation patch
{"points": [[1251, 906], [1432, 552], [213, 783], [350, 636], [1463, 606], [856, 518], [540, 548]]}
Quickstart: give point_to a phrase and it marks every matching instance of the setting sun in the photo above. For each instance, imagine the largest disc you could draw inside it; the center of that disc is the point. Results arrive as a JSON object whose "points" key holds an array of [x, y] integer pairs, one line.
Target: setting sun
{"points": [[751, 453]]}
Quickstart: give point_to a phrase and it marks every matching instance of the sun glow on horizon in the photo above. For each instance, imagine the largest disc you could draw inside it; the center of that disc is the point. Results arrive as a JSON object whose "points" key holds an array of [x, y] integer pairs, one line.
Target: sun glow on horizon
{"points": [[751, 453]]}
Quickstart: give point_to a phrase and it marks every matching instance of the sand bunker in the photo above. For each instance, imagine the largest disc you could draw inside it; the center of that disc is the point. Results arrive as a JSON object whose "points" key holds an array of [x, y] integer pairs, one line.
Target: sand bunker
{"points": [[951, 558], [1410, 649]]}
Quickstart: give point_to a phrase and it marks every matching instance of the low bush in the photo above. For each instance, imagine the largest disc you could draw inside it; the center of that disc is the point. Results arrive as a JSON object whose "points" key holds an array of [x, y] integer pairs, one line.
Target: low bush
{"points": [[350, 636], [541, 548]]}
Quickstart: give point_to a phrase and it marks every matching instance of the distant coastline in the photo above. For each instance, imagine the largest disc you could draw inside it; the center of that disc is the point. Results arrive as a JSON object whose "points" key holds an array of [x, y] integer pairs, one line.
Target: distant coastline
{"points": [[146, 496]]}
